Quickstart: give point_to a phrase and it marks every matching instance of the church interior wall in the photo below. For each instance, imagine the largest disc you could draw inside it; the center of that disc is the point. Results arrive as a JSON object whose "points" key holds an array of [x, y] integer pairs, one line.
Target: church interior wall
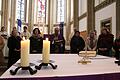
{"points": [[82, 10], [83, 24], [82, 7], [105, 13]]}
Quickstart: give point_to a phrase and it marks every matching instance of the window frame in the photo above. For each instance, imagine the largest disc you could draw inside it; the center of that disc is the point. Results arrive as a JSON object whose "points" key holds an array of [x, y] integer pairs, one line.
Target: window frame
{"points": [[22, 11], [59, 21], [37, 20]]}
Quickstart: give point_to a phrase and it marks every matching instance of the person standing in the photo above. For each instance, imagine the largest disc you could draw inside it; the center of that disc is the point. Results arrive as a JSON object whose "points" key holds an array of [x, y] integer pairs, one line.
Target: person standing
{"points": [[36, 41], [1, 50], [91, 42], [77, 43], [4, 34], [116, 47], [58, 42], [105, 43], [14, 48], [25, 33]]}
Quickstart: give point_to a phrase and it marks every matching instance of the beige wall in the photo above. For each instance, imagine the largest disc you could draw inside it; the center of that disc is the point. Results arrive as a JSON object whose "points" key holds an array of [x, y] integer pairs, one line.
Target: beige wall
{"points": [[105, 13], [82, 7], [82, 10]]}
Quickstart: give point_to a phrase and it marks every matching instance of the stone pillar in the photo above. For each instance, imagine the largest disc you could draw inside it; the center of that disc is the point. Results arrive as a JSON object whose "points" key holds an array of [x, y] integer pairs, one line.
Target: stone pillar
{"points": [[76, 14], [51, 15], [31, 15], [2, 12], [50, 20], [68, 18], [90, 15], [13, 14], [5, 13], [25, 10], [117, 16]]}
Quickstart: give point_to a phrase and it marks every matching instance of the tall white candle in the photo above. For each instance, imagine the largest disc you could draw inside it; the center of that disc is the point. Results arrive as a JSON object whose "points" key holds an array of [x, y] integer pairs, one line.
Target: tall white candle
{"points": [[25, 44], [46, 51]]}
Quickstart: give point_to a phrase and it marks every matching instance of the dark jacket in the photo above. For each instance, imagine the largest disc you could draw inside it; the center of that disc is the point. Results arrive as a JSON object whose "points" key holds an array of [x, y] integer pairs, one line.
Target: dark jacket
{"points": [[77, 44], [13, 43], [116, 47], [36, 44], [105, 41]]}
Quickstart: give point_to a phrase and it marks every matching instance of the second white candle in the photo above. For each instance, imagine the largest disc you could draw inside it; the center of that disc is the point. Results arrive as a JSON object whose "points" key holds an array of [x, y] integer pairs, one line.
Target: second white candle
{"points": [[25, 44], [46, 51]]}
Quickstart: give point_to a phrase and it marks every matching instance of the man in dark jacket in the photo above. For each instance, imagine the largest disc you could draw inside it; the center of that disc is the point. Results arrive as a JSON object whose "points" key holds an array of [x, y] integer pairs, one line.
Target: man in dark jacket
{"points": [[77, 43], [105, 43], [14, 48]]}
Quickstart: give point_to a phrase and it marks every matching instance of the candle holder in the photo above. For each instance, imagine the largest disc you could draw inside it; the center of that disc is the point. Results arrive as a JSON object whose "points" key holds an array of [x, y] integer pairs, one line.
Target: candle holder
{"points": [[85, 58], [118, 62], [13, 72], [84, 61], [45, 64]]}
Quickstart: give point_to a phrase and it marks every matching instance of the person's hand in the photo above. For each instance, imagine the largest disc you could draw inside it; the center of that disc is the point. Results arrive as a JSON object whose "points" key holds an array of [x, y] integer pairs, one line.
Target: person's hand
{"points": [[119, 49], [90, 49], [102, 49], [16, 49]]}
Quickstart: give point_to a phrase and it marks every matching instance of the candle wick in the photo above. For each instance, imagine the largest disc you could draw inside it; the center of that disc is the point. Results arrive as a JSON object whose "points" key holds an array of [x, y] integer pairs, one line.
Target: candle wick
{"points": [[23, 38], [47, 39]]}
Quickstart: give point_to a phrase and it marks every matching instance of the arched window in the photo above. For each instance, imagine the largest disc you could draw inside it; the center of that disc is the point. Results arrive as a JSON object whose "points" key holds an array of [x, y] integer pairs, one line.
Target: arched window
{"points": [[41, 11], [60, 10], [20, 10]]}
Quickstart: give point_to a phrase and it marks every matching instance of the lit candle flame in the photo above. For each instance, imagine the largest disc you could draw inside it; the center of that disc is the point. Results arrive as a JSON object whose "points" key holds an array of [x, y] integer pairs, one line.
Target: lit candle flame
{"points": [[46, 39], [23, 38]]}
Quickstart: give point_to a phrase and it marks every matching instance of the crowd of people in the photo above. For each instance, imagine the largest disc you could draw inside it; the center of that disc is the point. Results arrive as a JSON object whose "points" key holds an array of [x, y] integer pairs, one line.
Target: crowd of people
{"points": [[103, 43]]}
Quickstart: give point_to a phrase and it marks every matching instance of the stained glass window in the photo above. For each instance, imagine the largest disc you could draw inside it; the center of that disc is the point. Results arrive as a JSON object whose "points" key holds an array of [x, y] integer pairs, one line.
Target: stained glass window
{"points": [[41, 13], [20, 10], [60, 10]]}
